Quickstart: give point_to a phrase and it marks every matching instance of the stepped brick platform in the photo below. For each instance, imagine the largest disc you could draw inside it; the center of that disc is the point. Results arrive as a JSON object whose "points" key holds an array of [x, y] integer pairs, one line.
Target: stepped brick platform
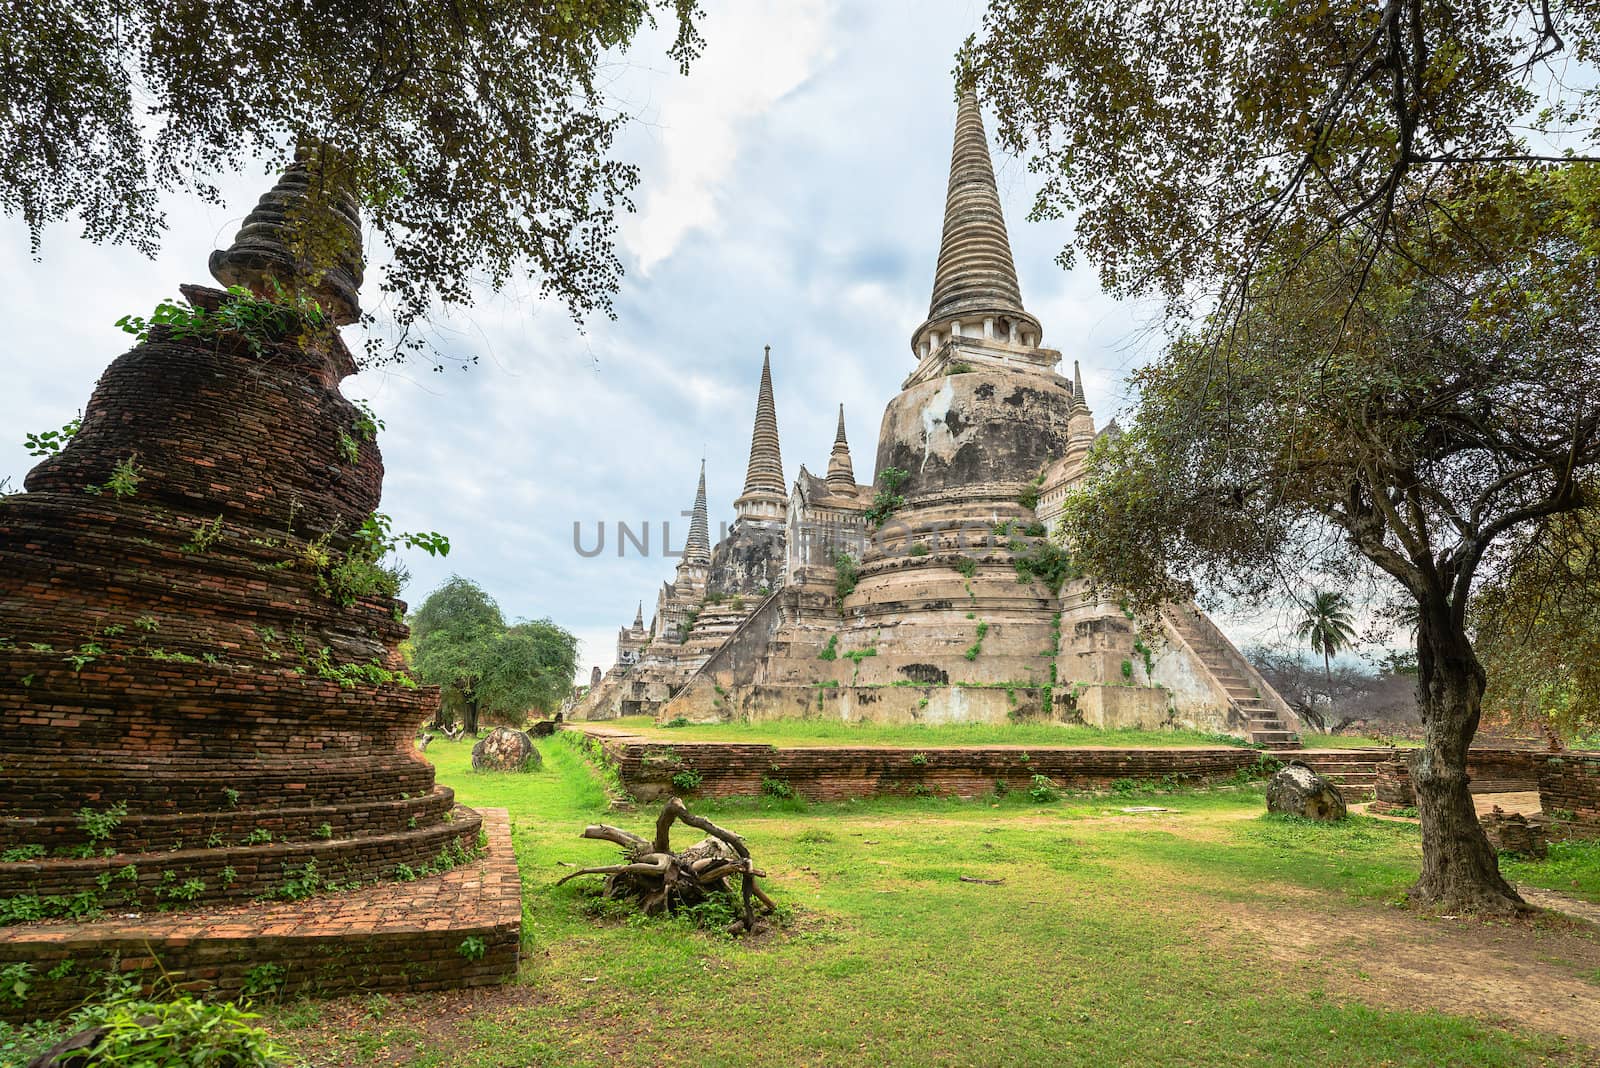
{"points": [[837, 773], [391, 937], [1569, 784], [202, 698]]}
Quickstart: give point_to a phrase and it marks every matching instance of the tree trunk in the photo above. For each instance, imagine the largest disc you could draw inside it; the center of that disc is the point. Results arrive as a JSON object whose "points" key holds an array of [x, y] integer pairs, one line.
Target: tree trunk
{"points": [[1460, 870], [1327, 671], [469, 718]]}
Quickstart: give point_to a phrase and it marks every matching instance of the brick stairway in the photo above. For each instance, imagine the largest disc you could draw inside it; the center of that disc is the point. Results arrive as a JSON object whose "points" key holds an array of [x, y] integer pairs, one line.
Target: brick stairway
{"points": [[1353, 771], [1266, 728]]}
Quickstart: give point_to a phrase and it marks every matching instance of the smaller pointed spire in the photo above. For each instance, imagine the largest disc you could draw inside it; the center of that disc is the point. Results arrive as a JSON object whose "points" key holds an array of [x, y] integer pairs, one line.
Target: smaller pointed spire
{"points": [[841, 475], [765, 496], [638, 616], [1078, 398], [697, 550], [303, 237]]}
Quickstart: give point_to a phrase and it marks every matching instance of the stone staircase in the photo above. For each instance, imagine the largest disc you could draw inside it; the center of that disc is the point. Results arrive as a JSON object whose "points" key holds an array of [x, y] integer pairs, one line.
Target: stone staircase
{"points": [[1353, 771], [1226, 665]]}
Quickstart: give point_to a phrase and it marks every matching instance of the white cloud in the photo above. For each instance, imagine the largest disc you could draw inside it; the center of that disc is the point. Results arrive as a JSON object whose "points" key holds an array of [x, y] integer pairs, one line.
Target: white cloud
{"points": [[757, 53]]}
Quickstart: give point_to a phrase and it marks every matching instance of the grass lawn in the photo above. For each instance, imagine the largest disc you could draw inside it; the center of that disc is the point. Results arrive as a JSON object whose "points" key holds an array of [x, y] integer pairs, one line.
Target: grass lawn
{"points": [[814, 732], [1115, 938]]}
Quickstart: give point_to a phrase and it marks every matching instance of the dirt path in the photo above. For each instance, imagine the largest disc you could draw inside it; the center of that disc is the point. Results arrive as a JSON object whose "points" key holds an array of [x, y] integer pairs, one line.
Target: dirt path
{"points": [[1543, 975]]}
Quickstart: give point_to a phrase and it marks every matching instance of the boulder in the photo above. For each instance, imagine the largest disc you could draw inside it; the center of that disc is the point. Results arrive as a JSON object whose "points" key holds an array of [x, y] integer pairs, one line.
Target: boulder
{"points": [[1296, 790], [505, 749]]}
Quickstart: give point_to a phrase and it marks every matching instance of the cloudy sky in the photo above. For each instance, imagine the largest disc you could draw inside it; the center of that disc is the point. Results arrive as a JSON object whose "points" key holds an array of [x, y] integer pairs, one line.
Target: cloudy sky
{"points": [[792, 194]]}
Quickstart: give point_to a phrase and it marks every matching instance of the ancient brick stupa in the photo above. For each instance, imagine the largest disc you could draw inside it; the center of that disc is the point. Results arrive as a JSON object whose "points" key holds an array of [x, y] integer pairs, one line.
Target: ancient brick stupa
{"points": [[198, 701]]}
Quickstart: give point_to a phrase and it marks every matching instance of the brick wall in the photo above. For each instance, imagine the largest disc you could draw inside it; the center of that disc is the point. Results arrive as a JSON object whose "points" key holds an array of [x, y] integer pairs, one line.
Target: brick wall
{"points": [[1570, 783], [392, 938], [835, 773]]}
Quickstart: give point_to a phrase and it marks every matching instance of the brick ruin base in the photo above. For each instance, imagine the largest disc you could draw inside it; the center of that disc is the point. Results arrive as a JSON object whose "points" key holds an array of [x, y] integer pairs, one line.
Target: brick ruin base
{"points": [[393, 937], [1569, 792], [836, 773]]}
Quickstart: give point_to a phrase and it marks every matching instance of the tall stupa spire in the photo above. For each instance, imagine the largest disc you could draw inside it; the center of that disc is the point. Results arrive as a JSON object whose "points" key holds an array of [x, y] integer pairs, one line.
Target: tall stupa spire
{"points": [[975, 291], [841, 475], [697, 550], [764, 496], [638, 617]]}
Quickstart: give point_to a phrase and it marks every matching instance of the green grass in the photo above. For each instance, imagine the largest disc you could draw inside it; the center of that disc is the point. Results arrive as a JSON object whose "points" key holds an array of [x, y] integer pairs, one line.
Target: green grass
{"points": [[814, 732], [1571, 868], [1353, 741], [1102, 945]]}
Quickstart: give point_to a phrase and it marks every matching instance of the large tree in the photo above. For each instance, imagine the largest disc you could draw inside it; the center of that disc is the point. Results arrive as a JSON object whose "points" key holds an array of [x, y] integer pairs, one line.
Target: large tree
{"points": [[475, 135], [462, 644], [1192, 142], [1416, 428], [529, 668], [1537, 629], [452, 633]]}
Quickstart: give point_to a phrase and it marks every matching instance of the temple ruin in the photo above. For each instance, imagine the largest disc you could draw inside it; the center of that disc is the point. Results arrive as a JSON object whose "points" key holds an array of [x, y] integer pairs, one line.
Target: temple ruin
{"points": [[935, 594], [204, 701]]}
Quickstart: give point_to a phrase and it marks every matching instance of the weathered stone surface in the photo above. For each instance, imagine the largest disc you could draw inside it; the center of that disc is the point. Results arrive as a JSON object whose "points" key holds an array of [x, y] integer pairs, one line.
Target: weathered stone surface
{"points": [[505, 749], [1296, 790], [1511, 832]]}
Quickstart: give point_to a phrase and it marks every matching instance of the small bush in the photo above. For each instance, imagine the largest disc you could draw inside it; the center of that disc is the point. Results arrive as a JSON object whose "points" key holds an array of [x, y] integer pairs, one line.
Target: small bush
{"points": [[473, 948], [777, 788], [1044, 790], [688, 779]]}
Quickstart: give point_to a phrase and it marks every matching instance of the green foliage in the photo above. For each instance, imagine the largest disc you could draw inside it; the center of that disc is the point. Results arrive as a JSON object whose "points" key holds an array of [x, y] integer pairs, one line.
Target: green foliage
{"points": [[776, 788], [255, 320], [966, 566], [1044, 790], [263, 980], [1029, 497], [182, 1031], [300, 884], [958, 368], [50, 442], [16, 981], [258, 836], [473, 947], [919, 760], [919, 549], [1047, 561], [22, 853], [123, 482], [855, 656], [125, 105], [831, 650], [847, 574], [25, 908], [974, 650], [98, 824], [675, 722], [886, 501], [205, 535], [687, 780]]}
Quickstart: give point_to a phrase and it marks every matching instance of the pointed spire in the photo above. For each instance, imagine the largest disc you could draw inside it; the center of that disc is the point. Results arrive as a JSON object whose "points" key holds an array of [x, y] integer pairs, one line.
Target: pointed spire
{"points": [[304, 237], [975, 280], [697, 550], [1078, 399], [765, 495], [638, 617], [841, 475]]}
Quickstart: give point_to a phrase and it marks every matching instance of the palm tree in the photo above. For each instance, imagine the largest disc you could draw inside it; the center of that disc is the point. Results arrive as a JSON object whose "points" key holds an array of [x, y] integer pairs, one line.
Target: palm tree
{"points": [[1327, 628]]}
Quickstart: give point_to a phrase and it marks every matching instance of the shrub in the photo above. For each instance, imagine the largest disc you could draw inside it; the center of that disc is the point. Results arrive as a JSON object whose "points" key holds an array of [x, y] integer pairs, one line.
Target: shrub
{"points": [[182, 1031], [845, 584], [687, 779], [776, 788], [1044, 790]]}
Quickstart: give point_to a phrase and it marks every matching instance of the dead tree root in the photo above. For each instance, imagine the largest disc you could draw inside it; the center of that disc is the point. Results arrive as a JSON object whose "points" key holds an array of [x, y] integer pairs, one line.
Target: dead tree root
{"points": [[661, 881]]}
